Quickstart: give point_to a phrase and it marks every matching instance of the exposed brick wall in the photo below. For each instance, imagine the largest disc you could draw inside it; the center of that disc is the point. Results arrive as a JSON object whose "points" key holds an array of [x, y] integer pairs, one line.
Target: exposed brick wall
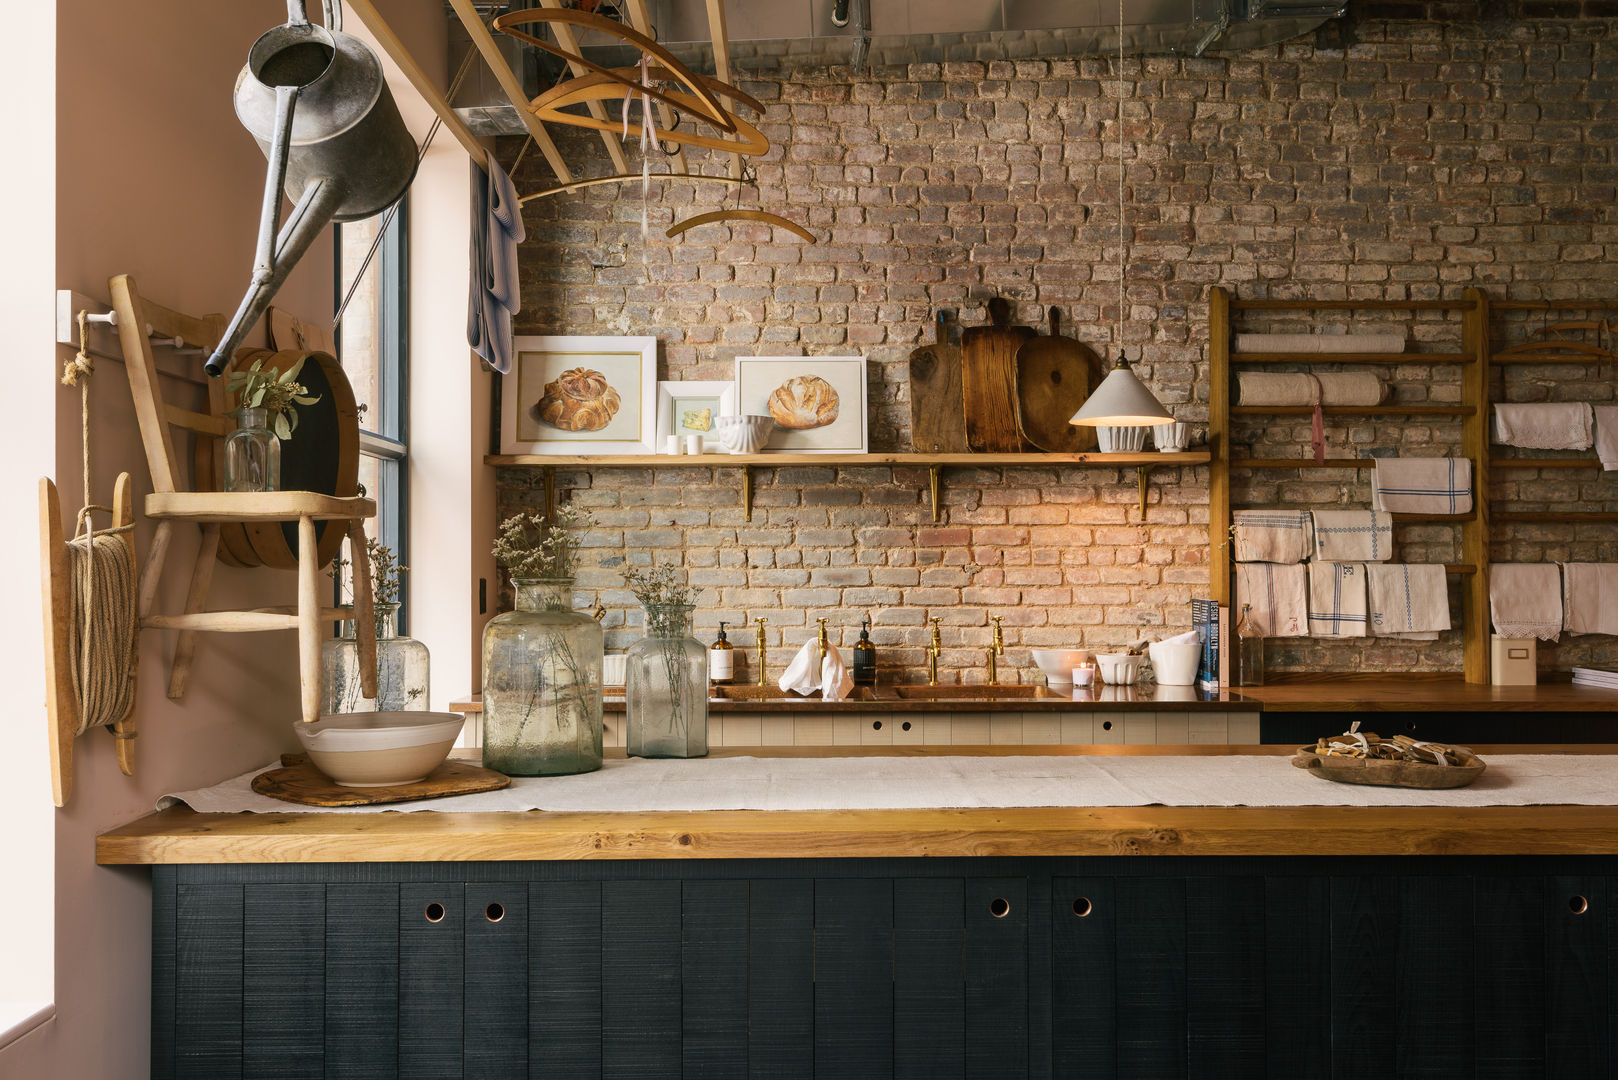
{"points": [[1399, 159]]}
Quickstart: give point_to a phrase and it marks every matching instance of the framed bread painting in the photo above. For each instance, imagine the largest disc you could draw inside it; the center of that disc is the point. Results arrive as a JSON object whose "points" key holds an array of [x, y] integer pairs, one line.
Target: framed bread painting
{"points": [[580, 395], [818, 403]]}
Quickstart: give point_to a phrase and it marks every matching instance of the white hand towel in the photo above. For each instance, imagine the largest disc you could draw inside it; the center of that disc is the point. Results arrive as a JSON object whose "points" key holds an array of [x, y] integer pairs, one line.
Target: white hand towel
{"points": [[1276, 596], [1562, 426], [1607, 436], [1337, 599], [1525, 600], [1352, 536], [1276, 536], [1422, 485], [830, 677], [1408, 600], [1590, 598]]}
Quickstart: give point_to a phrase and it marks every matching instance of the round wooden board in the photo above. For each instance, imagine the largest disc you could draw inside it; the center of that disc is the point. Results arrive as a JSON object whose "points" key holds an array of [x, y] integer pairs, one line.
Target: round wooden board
{"points": [[298, 781]]}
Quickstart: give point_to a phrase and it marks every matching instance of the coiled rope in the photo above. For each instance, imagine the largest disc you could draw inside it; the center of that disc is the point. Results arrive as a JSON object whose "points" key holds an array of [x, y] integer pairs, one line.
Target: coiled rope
{"points": [[105, 630]]}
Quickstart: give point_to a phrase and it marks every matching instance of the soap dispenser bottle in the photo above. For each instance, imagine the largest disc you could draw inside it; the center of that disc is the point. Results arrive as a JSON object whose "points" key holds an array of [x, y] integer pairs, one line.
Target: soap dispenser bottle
{"points": [[721, 659], [865, 657]]}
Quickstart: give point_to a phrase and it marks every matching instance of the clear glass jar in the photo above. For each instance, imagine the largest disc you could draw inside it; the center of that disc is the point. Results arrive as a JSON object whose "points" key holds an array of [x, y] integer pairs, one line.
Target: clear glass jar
{"points": [[1249, 650], [542, 684], [666, 687], [401, 670], [252, 453]]}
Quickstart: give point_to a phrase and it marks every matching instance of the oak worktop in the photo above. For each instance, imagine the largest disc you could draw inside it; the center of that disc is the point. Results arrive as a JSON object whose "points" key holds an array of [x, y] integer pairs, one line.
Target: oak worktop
{"points": [[1358, 694], [180, 836]]}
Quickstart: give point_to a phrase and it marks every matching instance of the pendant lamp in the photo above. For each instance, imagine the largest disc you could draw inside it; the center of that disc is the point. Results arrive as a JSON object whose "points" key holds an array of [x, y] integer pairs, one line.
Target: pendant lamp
{"points": [[1121, 400]]}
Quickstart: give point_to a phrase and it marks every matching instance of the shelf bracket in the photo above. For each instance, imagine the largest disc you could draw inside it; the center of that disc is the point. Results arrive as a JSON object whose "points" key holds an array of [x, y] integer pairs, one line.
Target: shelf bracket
{"points": [[1143, 474], [932, 482], [747, 493]]}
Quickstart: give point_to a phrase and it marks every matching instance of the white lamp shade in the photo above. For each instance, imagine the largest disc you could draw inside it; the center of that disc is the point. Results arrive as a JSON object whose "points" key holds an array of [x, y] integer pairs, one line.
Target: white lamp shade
{"points": [[1121, 401]]}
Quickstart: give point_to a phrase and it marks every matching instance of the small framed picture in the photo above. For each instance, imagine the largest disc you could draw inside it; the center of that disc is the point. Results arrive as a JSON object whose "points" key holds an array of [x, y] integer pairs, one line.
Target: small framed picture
{"points": [[818, 402], [694, 408], [580, 395]]}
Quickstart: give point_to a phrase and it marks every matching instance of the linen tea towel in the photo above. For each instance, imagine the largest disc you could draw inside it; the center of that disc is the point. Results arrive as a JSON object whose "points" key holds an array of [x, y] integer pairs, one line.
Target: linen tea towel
{"points": [[1422, 485]]}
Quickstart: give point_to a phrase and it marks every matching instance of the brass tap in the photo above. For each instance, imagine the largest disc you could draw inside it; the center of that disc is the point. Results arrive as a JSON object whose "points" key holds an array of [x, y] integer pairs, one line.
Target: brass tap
{"points": [[762, 655], [598, 612], [997, 647], [933, 652], [822, 641]]}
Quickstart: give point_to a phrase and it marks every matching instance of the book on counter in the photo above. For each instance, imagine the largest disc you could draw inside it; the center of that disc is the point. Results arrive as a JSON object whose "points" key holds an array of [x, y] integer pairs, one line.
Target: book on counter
{"points": [[1584, 676], [1208, 619]]}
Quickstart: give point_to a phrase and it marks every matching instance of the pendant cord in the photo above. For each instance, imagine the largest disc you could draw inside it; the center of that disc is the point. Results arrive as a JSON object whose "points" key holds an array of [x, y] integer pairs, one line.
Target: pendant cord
{"points": [[1121, 260]]}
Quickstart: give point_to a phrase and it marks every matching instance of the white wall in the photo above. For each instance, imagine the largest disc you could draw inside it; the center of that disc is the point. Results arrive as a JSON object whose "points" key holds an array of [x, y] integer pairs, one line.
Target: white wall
{"points": [[153, 177]]}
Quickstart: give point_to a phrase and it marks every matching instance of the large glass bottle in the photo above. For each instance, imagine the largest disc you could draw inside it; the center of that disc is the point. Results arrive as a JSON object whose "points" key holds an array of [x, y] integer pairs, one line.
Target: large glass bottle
{"points": [[1249, 650], [542, 684], [252, 453], [666, 687], [401, 670]]}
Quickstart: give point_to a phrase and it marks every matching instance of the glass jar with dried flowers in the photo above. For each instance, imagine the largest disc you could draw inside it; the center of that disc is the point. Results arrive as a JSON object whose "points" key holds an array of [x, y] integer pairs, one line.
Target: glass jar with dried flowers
{"points": [[666, 672], [542, 662], [401, 662], [264, 417]]}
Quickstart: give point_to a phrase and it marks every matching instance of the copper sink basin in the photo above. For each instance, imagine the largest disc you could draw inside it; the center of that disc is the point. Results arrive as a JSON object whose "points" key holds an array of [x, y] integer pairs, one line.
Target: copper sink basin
{"points": [[775, 693], [964, 693]]}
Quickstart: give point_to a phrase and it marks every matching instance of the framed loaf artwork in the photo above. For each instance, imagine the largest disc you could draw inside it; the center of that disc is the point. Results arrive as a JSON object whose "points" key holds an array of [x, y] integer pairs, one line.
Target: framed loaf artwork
{"points": [[818, 403], [580, 395], [693, 408]]}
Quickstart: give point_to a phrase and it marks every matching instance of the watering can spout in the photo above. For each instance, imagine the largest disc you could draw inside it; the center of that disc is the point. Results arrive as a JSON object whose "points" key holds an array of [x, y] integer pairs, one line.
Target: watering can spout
{"points": [[315, 100]]}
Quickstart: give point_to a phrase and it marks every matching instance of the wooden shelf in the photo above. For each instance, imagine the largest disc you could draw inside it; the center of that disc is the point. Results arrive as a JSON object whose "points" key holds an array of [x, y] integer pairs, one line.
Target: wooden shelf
{"points": [[1570, 517], [1349, 358], [1354, 410], [1302, 463], [1540, 358], [1398, 519], [712, 461], [1351, 305], [1544, 463]]}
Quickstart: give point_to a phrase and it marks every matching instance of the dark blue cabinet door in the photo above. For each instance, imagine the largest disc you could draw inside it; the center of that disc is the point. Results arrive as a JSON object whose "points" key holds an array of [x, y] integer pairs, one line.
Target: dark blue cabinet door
{"points": [[495, 1034], [283, 982], [929, 979], [432, 979], [1297, 978], [1508, 947], [996, 978], [208, 982], [781, 979], [1150, 930], [564, 980], [1578, 1006], [1364, 983], [853, 978], [1436, 1014], [362, 981], [1224, 976], [640, 980], [1083, 968], [713, 926]]}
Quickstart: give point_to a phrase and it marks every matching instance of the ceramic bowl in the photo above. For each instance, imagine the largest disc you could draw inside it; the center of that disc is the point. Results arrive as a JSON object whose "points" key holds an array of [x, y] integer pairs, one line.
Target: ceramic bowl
{"points": [[745, 434], [379, 749], [1120, 440], [1058, 664], [1119, 669], [1175, 663], [1170, 438]]}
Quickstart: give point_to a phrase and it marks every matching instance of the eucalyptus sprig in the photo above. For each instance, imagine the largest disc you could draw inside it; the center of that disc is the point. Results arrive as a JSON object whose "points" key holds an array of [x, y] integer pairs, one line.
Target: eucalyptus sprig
{"points": [[659, 585], [531, 547], [273, 391]]}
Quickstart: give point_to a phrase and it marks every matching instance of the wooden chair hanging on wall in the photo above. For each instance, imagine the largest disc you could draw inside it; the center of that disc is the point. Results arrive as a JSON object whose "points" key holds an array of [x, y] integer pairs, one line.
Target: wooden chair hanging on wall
{"points": [[297, 528]]}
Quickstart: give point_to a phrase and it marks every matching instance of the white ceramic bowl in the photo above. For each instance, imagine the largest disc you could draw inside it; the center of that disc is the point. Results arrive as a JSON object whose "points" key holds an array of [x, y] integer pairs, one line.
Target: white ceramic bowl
{"points": [[1058, 664], [1170, 438], [1121, 440], [745, 434], [1119, 669], [379, 749], [1175, 663]]}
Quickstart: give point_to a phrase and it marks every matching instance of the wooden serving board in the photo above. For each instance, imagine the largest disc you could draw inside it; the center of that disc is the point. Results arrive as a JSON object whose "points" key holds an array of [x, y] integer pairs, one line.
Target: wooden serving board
{"points": [[1054, 377], [300, 782], [989, 381], [937, 410], [1384, 773]]}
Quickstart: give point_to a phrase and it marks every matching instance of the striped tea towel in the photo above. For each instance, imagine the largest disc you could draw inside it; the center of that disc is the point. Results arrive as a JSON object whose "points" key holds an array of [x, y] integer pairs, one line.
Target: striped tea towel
{"points": [[1337, 599], [1545, 426], [1275, 594], [1353, 536], [1422, 485], [1273, 536], [1525, 600], [1590, 598], [1408, 600]]}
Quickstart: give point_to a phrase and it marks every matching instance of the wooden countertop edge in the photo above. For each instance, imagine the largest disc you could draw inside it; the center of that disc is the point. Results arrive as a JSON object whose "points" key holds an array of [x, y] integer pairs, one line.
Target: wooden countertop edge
{"points": [[180, 836]]}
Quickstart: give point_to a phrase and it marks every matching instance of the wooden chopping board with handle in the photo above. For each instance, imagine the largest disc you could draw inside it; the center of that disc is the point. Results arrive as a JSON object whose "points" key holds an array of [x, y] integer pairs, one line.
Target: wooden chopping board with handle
{"points": [[1055, 375], [989, 381], [937, 416]]}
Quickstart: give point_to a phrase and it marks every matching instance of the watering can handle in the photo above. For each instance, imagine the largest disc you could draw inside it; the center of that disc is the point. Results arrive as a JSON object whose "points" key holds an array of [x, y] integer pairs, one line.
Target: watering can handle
{"points": [[331, 9]]}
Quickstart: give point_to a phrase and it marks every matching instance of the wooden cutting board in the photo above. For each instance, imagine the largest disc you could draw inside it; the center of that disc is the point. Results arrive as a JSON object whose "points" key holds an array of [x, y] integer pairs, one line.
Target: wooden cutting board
{"points": [[298, 781], [1054, 378], [937, 410], [989, 381]]}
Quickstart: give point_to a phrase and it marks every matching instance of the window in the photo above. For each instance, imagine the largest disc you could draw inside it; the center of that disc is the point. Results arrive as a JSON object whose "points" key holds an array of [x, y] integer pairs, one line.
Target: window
{"points": [[373, 346]]}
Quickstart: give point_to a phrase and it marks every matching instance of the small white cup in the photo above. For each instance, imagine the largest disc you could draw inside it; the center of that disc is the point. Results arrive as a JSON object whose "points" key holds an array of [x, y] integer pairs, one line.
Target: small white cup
{"points": [[671, 445], [1171, 438], [693, 444]]}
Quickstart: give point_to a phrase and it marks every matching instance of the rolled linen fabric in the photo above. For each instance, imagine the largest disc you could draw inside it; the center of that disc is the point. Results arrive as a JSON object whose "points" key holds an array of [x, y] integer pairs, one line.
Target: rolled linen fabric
{"points": [[1320, 343], [1298, 388]]}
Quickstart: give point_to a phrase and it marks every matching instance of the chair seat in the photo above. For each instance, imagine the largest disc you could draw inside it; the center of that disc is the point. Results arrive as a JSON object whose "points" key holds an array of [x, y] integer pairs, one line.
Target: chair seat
{"points": [[227, 506]]}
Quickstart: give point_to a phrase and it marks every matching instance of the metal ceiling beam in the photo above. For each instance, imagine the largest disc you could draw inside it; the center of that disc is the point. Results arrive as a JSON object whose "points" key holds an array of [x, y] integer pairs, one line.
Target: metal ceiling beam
{"points": [[638, 19], [467, 11], [721, 62], [570, 41]]}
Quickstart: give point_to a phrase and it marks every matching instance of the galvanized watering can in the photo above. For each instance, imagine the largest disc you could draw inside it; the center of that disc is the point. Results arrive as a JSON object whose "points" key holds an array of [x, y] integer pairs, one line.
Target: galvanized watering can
{"points": [[315, 100]]}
